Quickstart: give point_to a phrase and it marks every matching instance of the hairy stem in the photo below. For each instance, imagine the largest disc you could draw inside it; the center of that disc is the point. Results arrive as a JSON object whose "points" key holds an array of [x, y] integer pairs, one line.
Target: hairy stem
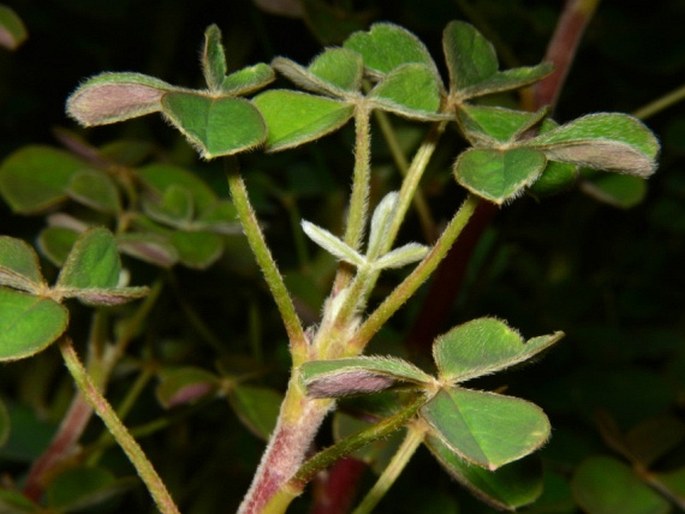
{"points": [[129, 445], [396, 465], [420, 204], [255, 238], [298, 423]]}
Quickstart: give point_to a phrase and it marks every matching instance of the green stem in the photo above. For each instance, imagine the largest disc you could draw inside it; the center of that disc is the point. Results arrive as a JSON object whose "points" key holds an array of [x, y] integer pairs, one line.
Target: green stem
{"points": [[396, 465], [415, 279], [255, 238], [411, 181], [352, 443], [135, 323], [420, 204], [357, 213], [129, 445], [660, 104]]}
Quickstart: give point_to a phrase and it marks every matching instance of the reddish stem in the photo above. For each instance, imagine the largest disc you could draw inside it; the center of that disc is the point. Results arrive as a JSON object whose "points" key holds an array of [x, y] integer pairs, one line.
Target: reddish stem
{"points": [[334, 489], [61, 446]]}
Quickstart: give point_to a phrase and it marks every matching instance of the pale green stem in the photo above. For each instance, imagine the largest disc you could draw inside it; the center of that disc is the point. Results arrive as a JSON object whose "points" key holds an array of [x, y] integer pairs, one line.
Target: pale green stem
{"points": [[660, 104], [125, 406], [357, 213], [420, 204], [416, 278], [359, 198], [134, 324], [396, 465], [411, 181], [102, 408], [255, 238]]}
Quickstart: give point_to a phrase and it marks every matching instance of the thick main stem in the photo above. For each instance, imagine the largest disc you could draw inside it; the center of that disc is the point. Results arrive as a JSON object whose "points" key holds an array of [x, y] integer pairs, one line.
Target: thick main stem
{"points": [[298, 423]]}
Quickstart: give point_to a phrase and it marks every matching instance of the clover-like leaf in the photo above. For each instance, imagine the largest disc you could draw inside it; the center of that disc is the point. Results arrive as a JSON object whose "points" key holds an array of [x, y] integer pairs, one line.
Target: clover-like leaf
{"points": [[386, 46], [507, 488], [358, 375], [29, 323], [498, 175], [92, 270], [605, 141], [12, 30], [213, 59], [483, 346], [473, 66], [487, 124], [333, 245], [248, 79], [469, 56], [35, 178], [410, 90], [112, 97], [336, 72], [92, 263], [294, 118], [96, 190], [486, 429], [215, 126], [19, 265]]}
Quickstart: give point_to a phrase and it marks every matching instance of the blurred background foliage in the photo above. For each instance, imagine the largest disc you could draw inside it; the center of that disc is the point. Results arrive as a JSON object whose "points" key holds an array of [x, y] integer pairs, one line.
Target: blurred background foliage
{"points": [[612, 279]]}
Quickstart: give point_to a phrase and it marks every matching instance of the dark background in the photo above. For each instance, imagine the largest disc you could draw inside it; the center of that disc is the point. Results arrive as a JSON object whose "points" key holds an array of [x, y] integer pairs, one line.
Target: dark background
{"points": [[612, 279]]}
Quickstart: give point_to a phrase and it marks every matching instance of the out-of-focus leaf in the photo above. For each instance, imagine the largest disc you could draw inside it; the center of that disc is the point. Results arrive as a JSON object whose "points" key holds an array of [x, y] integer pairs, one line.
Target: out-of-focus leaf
{"points": [[508, 488], [14, 502], [557, 177], [84, 487], [12, 30], [159, 177], [29, 324], [35, 178], [151, 248], [654, 438], [95, 190], [185, 385], [486, 429], [604, 485], [56, 243], [257, 408], [294, 118], [5, 424], [215, 126], [197, 250], [622, 191]]}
